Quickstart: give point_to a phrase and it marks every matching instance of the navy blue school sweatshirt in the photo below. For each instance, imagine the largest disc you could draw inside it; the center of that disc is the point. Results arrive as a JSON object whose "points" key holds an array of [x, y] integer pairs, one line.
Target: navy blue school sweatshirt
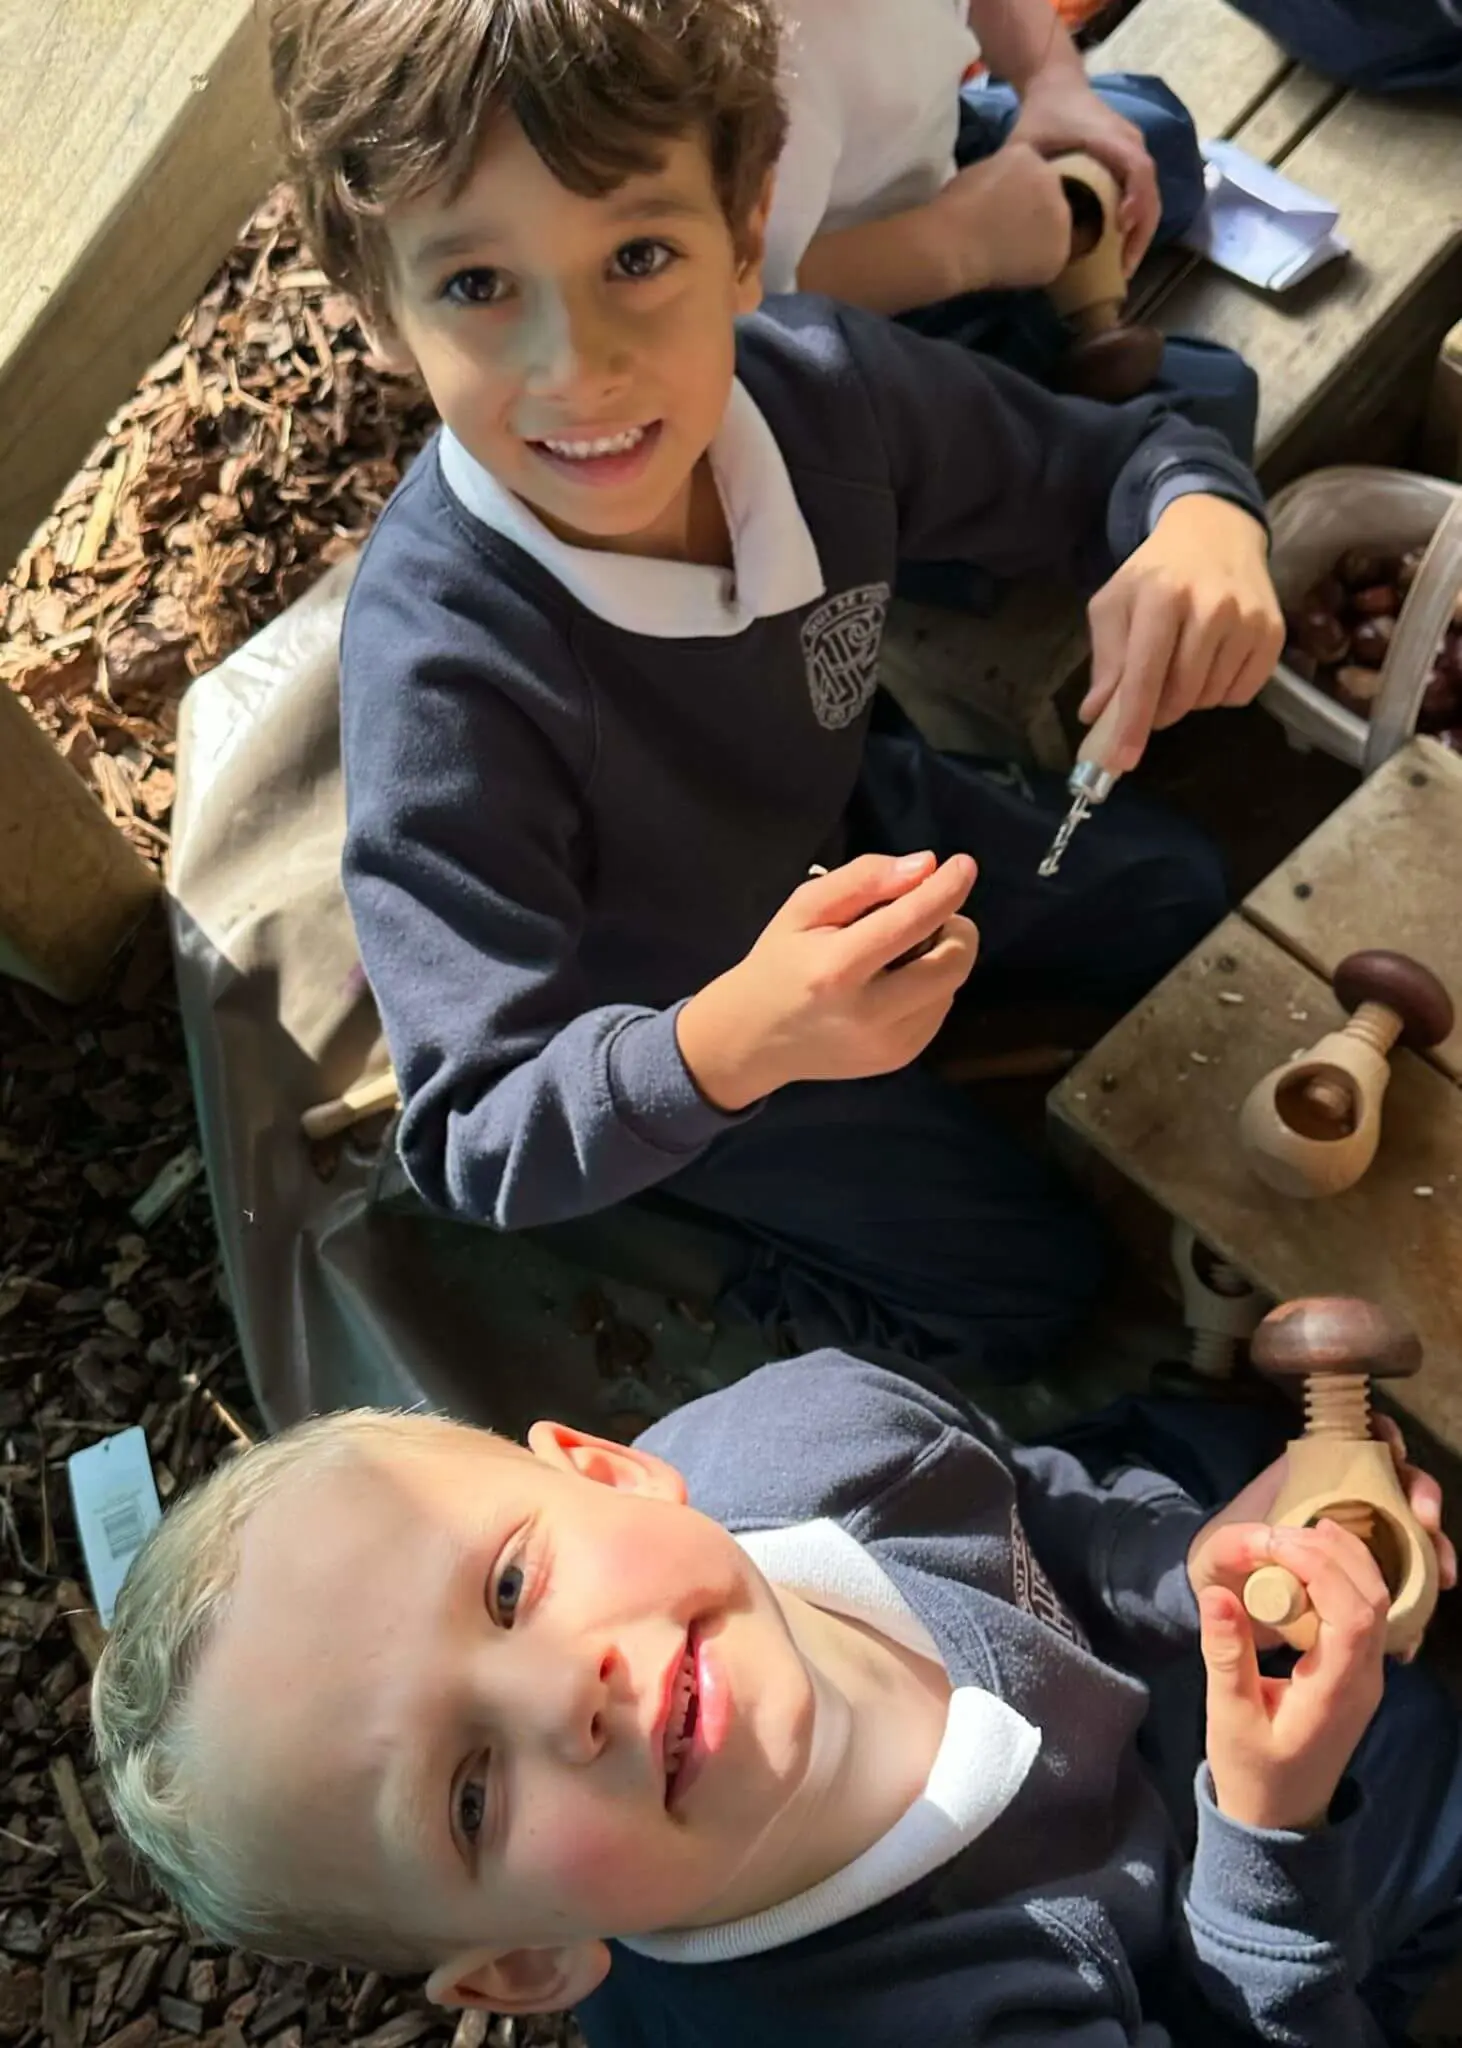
{"points": [[1058, 1903], [560, 826]]}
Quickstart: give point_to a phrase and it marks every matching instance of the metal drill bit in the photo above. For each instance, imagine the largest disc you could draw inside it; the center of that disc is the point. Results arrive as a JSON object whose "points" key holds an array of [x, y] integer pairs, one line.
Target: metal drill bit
{"points": [[1089, 785], [1065, 833]]}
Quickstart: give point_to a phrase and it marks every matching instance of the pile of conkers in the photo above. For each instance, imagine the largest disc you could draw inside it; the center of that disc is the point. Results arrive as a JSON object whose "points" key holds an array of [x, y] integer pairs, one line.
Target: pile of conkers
{"points": [[1339, 634]]}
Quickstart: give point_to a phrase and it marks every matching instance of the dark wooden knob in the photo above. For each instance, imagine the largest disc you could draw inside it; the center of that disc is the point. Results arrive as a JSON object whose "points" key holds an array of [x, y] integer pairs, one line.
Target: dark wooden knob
{"points": [[1403, 985], [1113, 366], [1336, 1333]]}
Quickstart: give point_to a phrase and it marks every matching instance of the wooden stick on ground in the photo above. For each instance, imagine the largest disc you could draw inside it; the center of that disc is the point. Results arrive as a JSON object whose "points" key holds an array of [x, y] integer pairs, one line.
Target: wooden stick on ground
{"points": [[366, 1099]]}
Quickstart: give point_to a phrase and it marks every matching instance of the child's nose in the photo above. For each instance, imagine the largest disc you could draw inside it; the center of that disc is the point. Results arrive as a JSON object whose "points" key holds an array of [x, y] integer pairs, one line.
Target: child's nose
{"points": [[572, 344], [575, 1699]]}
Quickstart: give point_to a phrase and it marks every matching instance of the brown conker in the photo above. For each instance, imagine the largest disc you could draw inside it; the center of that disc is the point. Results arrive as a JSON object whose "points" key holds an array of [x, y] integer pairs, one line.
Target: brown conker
{"points": [[1376, 601], [1370, 640], [1328, 595], [1360, 567], [1407, 567], [1321, 634], [1356, 688]]}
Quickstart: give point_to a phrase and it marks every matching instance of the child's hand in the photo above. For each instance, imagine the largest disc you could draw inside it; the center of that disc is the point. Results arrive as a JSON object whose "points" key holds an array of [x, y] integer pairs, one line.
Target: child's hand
{"points": [[1278, 1747], [1060, 112], [812, 1000], [1005, 222], [1190, 622], [1255, 1503]]}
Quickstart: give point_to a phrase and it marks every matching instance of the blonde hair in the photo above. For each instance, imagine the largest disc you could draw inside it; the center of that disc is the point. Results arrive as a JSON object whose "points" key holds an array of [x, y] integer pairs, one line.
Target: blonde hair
{"points": [[176, 1593], [383, 99]]}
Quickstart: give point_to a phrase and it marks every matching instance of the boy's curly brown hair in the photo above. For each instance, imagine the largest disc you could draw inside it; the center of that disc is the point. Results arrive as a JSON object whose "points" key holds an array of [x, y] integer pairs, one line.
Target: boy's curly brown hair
{"points": [[383, 99]]}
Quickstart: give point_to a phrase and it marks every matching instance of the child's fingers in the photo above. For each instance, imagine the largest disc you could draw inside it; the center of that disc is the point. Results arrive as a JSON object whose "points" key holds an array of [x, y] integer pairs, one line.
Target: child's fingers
{"points": [[1343, 1582], [857, 887], [1224, 675], [1226, 1638], [1108, 615], [930, 979], [877, 938], [1424, 1498], [1186, 684], [1258, 668], [1228, 1552], [1150, 642]]}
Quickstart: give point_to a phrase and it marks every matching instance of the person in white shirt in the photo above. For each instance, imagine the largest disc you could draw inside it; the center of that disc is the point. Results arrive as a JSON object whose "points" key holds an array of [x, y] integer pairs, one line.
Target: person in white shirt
{"points": [[904, 194]]}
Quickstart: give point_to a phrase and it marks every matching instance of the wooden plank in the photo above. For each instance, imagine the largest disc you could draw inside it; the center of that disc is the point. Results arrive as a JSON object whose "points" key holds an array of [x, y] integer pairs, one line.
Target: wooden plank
{"points": [[1298, 103], [1392, 171], [1441, 445], [1220, 65], [71, 887], [1168, 1121], [139, 137], [1271, 131], [1383, 870]]}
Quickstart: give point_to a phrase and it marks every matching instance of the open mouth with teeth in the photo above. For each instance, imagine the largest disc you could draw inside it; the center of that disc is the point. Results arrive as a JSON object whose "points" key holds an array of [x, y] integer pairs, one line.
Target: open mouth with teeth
{"points": [[680, 1725], [599, 458]]}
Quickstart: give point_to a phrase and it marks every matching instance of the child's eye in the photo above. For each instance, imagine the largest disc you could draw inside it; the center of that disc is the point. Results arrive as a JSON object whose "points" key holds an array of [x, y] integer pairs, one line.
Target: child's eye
{"points": [[478, 287], [642, 259], [506, 1594], [471, 1808]]}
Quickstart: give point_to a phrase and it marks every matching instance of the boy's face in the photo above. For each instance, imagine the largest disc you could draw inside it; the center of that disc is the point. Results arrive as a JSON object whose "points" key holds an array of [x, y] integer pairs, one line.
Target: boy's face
{"points": [[581, 349], [452, 1688]]}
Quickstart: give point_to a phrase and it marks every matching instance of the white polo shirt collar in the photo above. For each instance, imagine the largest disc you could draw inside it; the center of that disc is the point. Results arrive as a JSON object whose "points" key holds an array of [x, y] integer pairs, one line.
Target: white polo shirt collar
{"points": [[986, 1755], [776, 567]]}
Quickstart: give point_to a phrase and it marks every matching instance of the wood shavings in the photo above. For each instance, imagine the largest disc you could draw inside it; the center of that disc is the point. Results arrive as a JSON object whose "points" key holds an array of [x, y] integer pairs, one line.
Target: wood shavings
{"points": [[257, 450]]}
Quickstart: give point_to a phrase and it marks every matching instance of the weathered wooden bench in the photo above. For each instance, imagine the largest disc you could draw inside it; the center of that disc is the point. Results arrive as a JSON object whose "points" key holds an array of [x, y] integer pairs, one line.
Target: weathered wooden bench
{"points": [[138, 139], [1343, 360], [1151, 1113]]}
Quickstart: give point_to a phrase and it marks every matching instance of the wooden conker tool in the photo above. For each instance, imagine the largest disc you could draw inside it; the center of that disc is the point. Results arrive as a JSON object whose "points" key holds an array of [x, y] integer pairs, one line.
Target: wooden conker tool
{"points": [[1337, 1470], [1311, 1127], [1107, 360]]}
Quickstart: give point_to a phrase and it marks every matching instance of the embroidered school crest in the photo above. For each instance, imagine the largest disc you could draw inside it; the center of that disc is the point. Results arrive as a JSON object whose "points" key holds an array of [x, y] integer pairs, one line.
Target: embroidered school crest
{"points": [[840, 643], [1034, 1591]]}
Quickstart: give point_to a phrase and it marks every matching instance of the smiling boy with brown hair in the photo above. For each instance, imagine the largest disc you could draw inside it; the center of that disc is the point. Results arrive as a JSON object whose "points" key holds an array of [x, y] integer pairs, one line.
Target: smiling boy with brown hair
{"points": [[609, 677]]}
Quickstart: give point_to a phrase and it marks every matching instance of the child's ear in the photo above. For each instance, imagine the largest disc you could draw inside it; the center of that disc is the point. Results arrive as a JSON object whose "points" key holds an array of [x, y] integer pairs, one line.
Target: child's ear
{"points": [[520, 1980], [607, 1464], [751, 249]]}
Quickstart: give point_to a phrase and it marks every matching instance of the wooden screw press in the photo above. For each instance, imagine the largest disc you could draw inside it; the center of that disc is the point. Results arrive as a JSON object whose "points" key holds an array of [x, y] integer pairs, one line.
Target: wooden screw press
{"points": [[1311, 1127], [1337, 1470], [1107, 360]]}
